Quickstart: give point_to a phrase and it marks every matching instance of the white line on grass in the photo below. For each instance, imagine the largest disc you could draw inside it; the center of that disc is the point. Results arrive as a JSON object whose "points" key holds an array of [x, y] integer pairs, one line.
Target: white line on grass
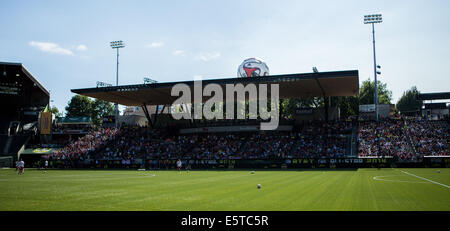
{"points": [[425, 179], [402, 181]]}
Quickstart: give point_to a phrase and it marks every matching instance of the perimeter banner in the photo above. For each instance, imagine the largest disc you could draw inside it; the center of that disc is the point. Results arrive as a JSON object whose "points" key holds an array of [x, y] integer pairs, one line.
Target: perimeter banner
{"points": [[291, 163], [46, 123]]}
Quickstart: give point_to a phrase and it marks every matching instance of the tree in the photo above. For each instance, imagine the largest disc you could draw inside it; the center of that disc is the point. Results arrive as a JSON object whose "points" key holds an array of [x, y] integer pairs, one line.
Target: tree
{"points": [[79, 106], [349, 105], [55, 111], [367, 90], [83, 106], [100, 109], [408, 103]]}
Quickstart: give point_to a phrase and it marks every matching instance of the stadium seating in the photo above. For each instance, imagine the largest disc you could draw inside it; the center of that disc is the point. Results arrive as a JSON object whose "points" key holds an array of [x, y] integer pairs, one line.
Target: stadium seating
{"points": [[404, 140], [10, 145], [430, 138], [312, 140]]}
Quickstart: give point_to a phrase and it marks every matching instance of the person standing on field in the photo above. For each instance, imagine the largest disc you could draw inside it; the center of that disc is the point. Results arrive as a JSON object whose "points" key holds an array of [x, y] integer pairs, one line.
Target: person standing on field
{"points": [[21, 167], [179, 164]]}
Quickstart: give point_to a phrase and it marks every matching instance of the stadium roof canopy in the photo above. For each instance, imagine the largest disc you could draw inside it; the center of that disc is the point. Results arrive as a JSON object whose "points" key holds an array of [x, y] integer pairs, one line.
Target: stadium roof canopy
{"points": [[307, 85], [14, 72], [20, 92], [434, 96]]}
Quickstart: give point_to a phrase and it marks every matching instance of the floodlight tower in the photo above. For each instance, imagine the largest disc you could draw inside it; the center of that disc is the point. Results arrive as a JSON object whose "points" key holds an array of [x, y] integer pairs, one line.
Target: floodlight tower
{"points": [[116, 45], [372, 19]]}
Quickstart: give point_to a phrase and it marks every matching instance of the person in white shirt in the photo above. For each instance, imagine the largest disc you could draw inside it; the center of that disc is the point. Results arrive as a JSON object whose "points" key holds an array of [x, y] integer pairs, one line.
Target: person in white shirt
{"points": [[21, 167], [45, 166], [179, 164]]}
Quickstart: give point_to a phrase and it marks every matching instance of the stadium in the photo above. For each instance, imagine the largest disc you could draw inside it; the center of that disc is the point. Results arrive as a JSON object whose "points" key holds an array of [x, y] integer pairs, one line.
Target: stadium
{"points": [[224, 114], [164, 164]]}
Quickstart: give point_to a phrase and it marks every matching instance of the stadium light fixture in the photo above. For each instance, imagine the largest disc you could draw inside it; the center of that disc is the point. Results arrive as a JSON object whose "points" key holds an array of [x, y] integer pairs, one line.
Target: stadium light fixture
{"points": [[116, 45], [149, 81], [372, 19]]}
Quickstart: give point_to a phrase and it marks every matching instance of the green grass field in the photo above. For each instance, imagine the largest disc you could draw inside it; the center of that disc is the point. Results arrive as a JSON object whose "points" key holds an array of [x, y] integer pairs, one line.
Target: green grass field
{"points": [[327, 190]]}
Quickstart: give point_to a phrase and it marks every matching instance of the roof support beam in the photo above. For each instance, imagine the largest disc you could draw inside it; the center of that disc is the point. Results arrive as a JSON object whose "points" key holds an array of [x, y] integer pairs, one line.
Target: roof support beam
{"points": [[320, 86], [144, 108], [158, 112], [325, 99]]}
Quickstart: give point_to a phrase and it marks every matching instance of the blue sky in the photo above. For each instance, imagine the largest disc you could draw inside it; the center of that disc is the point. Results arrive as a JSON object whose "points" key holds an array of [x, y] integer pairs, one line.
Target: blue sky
{"points": [[65, 44]]}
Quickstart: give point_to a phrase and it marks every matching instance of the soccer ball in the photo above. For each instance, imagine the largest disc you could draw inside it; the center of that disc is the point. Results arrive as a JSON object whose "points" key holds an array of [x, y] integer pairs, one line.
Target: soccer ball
{"points": [[253, 67], [259, 186]]}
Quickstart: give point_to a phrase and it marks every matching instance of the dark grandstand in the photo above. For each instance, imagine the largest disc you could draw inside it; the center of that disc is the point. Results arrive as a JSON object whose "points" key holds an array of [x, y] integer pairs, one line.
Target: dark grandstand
{"points": [[22, 99]]}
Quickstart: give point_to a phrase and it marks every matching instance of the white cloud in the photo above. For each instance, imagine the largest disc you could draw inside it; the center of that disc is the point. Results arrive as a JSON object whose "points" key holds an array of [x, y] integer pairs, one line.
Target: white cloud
{"points": [[50, 48], [155, 44], [81, 47], [179, 53], [207, 56]]}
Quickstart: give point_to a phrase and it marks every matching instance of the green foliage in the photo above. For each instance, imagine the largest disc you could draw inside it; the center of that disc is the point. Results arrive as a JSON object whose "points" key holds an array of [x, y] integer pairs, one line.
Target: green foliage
{"points": [[367, 91], [54, 110], [408, 103], [83, 106], [100, 109], [78, 106], [349, 105]]}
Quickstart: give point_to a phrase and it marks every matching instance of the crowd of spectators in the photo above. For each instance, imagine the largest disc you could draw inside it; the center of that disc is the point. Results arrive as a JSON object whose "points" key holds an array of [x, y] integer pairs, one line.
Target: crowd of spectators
{"points": [[85, 146], [63, 135], [429, 138], [130, 143], [386, 138], [135, 142], [319, 141], [403, 139]]}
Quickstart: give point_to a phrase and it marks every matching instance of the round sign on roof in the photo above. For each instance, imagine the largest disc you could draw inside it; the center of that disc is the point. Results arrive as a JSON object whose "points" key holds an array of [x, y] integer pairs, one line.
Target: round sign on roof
{"points": [[253, 67]]}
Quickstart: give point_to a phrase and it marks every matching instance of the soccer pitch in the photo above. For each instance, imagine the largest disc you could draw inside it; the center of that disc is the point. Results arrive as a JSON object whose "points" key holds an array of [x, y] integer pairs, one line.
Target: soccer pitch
{"points": [[302, 190]]}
